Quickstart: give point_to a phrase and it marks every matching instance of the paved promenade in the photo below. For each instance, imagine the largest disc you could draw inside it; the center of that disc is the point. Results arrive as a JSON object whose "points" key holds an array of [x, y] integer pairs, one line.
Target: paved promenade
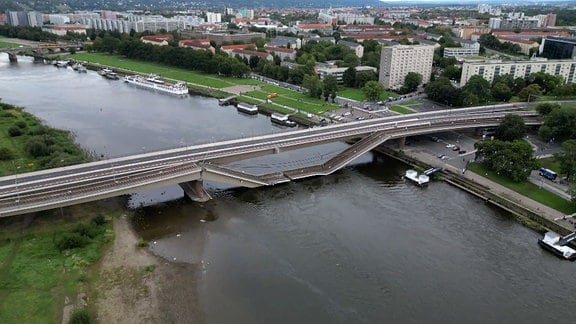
{"points": [[535, 206]]}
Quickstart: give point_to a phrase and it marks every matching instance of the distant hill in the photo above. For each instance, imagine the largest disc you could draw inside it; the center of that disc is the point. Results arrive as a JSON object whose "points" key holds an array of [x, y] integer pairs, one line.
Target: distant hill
{"points": [[70, 5]]}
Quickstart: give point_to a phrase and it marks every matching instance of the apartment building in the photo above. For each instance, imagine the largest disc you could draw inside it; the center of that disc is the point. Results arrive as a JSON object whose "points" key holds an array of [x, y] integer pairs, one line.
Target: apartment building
{"points": [[558, 47], [519, 69], [397, 61]]}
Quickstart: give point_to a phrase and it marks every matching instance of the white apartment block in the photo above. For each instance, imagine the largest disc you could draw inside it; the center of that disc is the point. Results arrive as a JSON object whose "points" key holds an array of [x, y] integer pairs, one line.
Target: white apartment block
{"points": [[338, 72], [397, 61], [519, 69], [460, 51], [213, 17], [351, 19]]}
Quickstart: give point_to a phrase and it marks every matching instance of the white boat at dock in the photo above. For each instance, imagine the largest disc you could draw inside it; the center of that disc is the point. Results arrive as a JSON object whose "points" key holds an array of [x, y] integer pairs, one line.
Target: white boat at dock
{"points": [[413, 176], [282, 120], [61, 64], [153, 82], [109, 74], [79, 68], [247, 109], [557, 244]]}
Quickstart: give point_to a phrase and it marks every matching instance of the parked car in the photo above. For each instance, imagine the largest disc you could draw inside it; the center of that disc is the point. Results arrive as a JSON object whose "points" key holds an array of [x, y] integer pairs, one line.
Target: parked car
{"points": [[455, 148], [461, 151]]}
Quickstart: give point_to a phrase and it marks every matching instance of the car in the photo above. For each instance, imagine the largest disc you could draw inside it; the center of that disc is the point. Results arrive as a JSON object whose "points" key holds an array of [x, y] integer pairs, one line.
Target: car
{"points": [[360, 118], [449, 145], [455, 148], [461, 151], [380, 103], [441, 156], [346, 114]]}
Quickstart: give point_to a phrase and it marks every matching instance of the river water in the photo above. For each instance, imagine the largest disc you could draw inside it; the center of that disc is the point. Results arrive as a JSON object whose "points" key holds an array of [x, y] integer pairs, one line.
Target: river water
{"points": [[359, 246]]}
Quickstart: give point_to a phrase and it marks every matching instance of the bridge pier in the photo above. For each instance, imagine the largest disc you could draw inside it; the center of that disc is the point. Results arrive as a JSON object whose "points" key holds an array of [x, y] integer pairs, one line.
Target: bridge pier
{"points": [[401, 142], [12, 57], [195, 190]]}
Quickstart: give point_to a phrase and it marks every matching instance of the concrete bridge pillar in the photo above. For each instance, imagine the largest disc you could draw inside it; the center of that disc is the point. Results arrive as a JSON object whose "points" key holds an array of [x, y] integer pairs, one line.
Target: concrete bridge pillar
{"points": [[401, 142], [12, 57], [195, 190]]}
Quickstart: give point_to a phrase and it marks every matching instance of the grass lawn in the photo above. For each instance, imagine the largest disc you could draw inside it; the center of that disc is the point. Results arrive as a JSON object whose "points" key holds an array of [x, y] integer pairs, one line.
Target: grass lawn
{"points": [[401, 110], [35, 275], [358, 94], [527, 189], [121, 62], [292, 99], [352, 93], [549, 163], [7, 45]]}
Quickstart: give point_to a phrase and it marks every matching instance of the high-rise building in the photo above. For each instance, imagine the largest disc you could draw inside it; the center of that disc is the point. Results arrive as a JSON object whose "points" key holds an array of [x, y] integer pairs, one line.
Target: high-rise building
{"points": [[558, 47], [213, 17], [397, 61]]}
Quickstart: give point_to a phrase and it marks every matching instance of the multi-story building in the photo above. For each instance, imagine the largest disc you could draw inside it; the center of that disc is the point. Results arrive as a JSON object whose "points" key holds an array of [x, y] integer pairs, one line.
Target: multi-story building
{"points": [[213, 17], [519, 69], [355, 19], [460, 51], [397, 61], [558, 48], [17, 18], [35, 18], [338, 72], [357, 48]]}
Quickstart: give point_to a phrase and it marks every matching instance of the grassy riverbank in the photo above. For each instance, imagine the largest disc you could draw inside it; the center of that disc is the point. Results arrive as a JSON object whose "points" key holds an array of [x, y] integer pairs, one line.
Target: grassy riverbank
{"points": [[287, 100], [47, 262], [28, 145], [44, 257], [527, 189]]}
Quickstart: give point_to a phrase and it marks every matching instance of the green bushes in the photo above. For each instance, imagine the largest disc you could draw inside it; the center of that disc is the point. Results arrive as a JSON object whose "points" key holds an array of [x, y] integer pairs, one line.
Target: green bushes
{"points": [[14, 131], [79, 316], [6, 154], [81, 235]]}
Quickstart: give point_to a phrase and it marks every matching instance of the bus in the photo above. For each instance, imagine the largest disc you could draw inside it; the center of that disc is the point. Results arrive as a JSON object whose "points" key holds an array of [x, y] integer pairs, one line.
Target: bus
{"points": [[548, 174]]}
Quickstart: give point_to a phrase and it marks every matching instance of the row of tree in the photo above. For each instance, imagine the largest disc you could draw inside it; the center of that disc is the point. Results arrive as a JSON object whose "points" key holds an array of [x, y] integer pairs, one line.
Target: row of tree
{"points": [[480, 91]]}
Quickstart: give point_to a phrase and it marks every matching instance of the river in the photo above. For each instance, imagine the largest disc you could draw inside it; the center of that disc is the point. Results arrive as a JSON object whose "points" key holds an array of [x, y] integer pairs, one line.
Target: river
{"points": [[359, 246]]}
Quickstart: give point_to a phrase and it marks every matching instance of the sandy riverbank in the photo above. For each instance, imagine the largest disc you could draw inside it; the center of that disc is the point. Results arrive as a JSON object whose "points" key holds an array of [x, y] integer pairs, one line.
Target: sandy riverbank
{"points": [[134, 286]]}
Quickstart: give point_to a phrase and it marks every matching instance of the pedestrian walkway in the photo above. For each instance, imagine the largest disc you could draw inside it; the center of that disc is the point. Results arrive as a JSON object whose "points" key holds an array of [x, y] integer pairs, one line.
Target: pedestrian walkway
{"points": [[543, 210]]}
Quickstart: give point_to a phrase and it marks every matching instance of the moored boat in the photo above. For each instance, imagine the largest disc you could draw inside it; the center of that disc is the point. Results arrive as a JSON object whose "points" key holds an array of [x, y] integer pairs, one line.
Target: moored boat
{"points": [[557, 244], [61, 64], [247, 109], [109, 74], [282, 120], [413, 176], [153, 82]]}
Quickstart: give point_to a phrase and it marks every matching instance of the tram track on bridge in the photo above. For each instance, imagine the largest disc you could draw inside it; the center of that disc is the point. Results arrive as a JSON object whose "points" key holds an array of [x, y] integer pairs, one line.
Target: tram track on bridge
{"points": [[92, 181]]}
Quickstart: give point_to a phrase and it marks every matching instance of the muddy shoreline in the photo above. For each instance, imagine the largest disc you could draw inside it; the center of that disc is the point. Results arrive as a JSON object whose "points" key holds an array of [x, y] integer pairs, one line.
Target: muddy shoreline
{"points": [[135, 286]]}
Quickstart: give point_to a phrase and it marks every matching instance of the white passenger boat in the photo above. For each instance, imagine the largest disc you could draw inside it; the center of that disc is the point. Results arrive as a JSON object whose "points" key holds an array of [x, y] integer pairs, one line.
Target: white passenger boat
{"points": [[413, 176], [282, 120], [153, 82], [247, 109]]}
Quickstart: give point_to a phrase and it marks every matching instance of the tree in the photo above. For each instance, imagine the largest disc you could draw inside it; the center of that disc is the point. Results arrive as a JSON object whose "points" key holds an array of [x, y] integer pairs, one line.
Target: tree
{"points": [[373, 90], [349, 77], [559, 125], [452, 72], [501, 91], [480, 87], [411, 82], [529, 92], [313, 84], [513, 160], [511, 128], [567, 158], [546, 108], [329, 86]]}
